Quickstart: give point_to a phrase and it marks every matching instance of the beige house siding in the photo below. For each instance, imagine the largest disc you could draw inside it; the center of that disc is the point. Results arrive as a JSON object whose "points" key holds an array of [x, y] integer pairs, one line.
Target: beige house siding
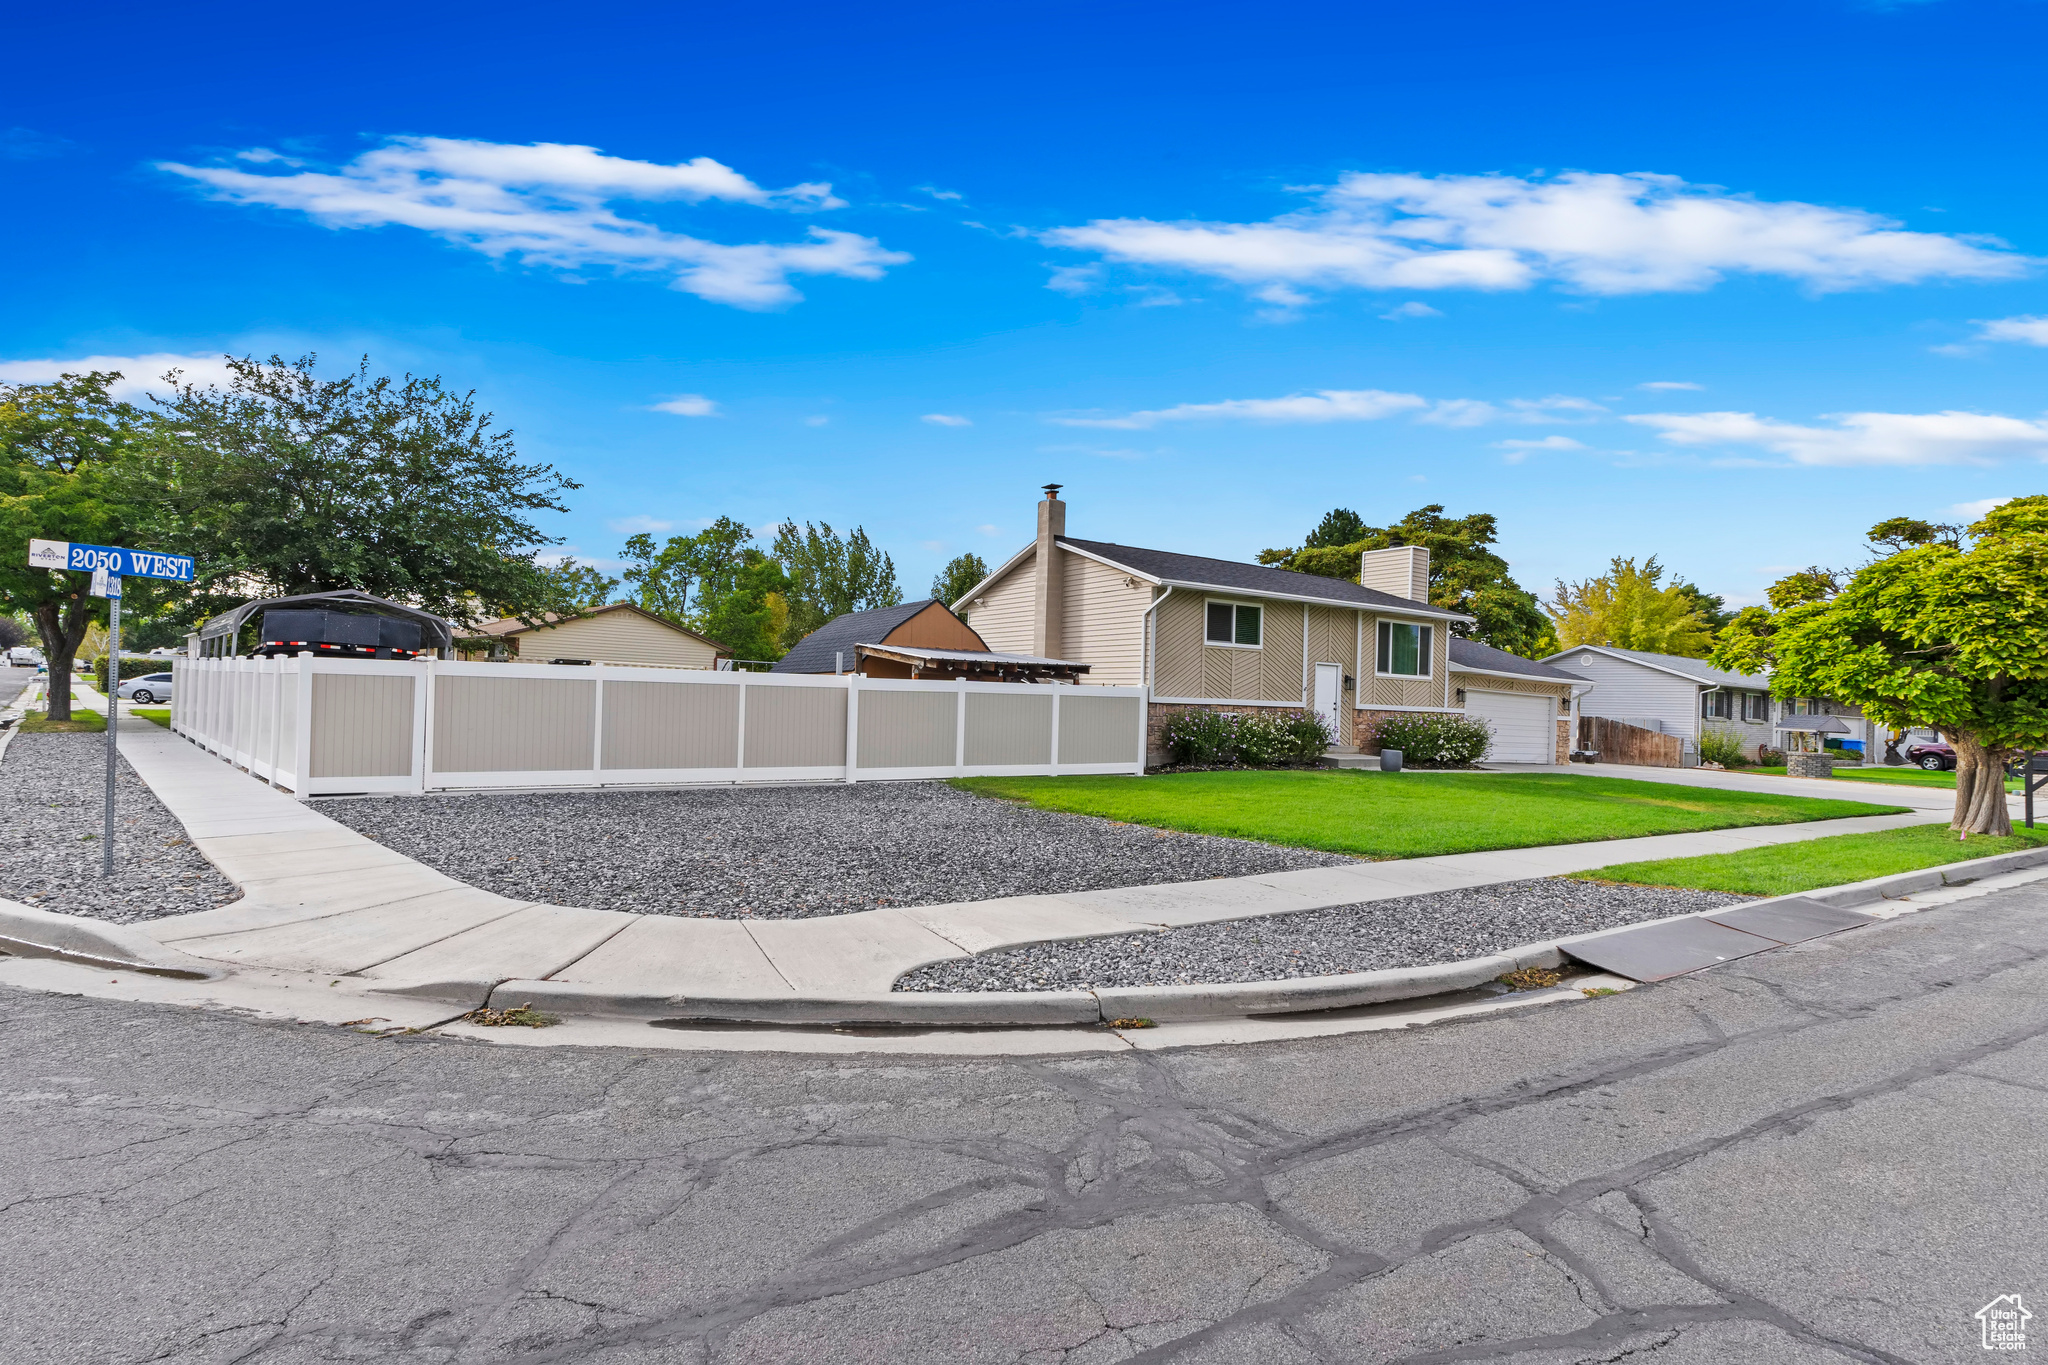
{"points": [[1001, 614], [1333, 639], [1404, 692], [616, 637], [1177, 645], [1102, 622]]}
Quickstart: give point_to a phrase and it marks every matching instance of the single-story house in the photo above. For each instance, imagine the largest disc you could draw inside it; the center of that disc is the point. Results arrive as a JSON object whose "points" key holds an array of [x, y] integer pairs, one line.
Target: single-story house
{"points": [[621, 633], [1218, 634], [916, 640]]}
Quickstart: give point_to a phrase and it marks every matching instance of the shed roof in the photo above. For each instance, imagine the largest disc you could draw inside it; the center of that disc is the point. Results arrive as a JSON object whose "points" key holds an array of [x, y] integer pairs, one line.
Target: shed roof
{"points": [[1471, 654], [1699, 670], [814, 653], [1255, 580], [973, 656]]}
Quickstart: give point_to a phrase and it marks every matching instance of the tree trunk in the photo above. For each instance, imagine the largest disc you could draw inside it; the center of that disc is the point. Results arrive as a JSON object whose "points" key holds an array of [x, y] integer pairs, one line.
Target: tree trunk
{"points": [[62, 627], [1980, 788]]}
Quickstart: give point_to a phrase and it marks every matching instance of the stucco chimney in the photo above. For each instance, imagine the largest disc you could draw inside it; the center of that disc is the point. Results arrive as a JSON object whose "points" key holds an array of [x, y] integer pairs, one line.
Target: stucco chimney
{"points": [[1047, 594], [1402, 571]]}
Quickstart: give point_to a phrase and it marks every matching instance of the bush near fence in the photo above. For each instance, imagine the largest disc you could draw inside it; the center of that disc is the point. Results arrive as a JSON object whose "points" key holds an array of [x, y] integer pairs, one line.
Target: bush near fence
{"points": [[1245, 739]]}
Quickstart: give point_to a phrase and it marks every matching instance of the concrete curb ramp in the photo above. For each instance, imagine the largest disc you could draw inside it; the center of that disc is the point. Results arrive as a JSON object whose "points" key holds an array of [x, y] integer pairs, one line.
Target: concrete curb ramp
{"points": [[28, 932]]}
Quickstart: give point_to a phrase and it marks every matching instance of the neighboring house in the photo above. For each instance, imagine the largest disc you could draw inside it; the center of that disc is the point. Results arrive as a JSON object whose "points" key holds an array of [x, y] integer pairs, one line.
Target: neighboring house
{"points": [[618, 634], [1218, 634], [916, 640], [1686, 697]]}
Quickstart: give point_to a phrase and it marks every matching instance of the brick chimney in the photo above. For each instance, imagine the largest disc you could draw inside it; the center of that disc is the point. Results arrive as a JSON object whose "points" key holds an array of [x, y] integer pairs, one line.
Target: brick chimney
{"points": [[1402, 571], [1048, 593]]}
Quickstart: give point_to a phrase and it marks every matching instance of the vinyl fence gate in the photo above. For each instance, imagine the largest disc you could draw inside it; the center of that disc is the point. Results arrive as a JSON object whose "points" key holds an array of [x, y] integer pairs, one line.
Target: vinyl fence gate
{"points": [[325, 727]]}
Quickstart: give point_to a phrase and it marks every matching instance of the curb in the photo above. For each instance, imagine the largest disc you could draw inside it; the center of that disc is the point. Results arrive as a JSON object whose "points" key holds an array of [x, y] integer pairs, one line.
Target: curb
{"points": [[1174, 1003], [28, 932], [1013, 1008]]}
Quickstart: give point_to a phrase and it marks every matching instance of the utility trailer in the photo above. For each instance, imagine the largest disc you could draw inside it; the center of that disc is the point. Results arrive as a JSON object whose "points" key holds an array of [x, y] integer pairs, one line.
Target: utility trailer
{"points": [[339, 635]]}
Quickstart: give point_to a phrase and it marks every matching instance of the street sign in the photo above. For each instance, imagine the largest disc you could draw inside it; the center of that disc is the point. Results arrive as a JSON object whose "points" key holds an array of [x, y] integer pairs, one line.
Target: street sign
{"points": [[108, 565], [116, 560]]}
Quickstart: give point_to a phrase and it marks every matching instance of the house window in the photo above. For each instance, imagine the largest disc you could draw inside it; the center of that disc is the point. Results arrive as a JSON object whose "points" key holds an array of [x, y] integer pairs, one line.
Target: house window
{"points": [[1234, 623], [1756, 707], [1403, 649], [1716, 705]]}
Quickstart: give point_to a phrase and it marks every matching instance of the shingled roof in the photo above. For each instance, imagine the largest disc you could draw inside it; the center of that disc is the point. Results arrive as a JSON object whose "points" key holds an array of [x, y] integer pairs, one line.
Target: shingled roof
{"points": [[1470, 654], [1253, 580], [838, 636]]}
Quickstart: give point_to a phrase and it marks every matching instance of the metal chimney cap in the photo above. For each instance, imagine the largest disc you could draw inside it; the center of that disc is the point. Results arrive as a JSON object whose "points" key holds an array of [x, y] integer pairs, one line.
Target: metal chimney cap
{"points": [[1052, 492]]}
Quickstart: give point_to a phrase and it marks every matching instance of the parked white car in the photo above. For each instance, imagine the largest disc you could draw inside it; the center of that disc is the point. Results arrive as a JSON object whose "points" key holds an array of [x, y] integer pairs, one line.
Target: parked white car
{"points": [[23, 656], [150, 687]]}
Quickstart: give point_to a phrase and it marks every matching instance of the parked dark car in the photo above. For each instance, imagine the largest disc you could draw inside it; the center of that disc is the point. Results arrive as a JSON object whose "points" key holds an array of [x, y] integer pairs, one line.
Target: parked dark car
{"points": [[1936, 757]]}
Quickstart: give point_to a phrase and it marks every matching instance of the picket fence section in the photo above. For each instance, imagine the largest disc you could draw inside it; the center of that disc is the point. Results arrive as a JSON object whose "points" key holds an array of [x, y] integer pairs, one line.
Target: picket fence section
{"points": [[323, 727]]}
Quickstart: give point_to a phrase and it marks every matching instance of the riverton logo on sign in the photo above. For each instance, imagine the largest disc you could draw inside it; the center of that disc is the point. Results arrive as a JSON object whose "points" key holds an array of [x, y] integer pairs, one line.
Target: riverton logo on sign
{"points": [[2005, 1323], [114, 560]]}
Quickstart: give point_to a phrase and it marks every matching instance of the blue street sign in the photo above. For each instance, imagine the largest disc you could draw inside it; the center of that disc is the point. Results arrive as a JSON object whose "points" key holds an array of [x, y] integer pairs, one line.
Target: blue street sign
{"points": [[115, 560]]}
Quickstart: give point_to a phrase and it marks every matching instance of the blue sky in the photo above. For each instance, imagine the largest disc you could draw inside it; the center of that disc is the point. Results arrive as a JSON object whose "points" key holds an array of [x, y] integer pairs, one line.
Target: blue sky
{"points": [[1720, 283]]}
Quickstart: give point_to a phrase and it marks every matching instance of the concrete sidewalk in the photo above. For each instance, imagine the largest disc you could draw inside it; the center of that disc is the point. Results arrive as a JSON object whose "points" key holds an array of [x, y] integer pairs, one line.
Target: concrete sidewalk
{"points": [[320, 898]]}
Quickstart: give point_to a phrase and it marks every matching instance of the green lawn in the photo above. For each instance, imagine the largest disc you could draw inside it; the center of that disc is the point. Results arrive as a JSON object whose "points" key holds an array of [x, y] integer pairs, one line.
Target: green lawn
{"points": [[1911, 777], [159, 715], [1787, 868], [1414, 814], [82, 722]]}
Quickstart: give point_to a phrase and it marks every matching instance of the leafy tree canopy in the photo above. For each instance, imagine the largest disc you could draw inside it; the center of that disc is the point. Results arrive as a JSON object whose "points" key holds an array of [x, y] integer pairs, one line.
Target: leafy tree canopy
{"points": [[63, 447], [830, 576], [959, 578], [1630, 607], [1948, 632], [716, 582], [1464, 575], [284, 483]]}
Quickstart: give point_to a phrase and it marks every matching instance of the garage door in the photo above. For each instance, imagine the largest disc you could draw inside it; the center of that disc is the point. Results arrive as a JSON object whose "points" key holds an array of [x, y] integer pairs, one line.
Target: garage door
{"points": [[1523, 728]]}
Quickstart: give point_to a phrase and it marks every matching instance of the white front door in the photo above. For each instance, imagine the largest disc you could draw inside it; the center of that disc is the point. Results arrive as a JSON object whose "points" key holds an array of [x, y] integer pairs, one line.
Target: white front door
{"points": [[1329, 695]]}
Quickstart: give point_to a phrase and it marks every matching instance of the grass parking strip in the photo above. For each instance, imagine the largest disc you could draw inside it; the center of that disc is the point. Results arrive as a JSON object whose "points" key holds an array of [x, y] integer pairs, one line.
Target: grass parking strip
{"points": [[1785, 869], [1416, 814]]}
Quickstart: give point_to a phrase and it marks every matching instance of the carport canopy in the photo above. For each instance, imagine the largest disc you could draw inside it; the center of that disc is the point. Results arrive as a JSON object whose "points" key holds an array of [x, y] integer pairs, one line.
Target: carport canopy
{"points": [[217, 637]]}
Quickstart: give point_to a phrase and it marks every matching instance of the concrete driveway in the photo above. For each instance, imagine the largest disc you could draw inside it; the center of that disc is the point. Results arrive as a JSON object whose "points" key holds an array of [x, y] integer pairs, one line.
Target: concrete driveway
{"points": [[1828, 1153]]}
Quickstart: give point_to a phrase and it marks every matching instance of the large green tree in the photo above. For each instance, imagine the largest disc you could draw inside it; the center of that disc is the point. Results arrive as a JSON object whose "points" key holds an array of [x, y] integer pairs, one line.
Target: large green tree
{"points": [[63, 447], [1947, 627], [830, 576], [1464, 574], [1631, 607], [716, 582], [286, 483], [960, 576]]}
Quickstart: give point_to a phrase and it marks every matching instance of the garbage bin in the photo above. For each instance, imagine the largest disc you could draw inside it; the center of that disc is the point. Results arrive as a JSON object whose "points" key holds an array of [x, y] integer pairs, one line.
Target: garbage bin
{"points": [[1390, 760]]}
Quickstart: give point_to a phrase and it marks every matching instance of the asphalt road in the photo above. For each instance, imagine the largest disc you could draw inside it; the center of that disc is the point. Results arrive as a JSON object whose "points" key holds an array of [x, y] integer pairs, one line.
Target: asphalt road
{"points": [[1821, 1154]]}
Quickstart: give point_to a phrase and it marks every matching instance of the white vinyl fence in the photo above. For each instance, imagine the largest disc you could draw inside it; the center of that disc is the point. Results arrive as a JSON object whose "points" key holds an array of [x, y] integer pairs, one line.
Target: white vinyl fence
{"points": [[329, 726]]}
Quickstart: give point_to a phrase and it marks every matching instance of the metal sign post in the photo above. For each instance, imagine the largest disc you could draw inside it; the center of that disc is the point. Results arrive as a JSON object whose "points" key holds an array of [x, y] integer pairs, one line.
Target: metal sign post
{"points": [[108, 565]]}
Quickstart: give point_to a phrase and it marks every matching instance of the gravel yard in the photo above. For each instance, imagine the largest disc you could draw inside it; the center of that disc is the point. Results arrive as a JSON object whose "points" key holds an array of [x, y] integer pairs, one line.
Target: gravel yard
{"points": [[788, 852], [51, 789], [1412, 932]]}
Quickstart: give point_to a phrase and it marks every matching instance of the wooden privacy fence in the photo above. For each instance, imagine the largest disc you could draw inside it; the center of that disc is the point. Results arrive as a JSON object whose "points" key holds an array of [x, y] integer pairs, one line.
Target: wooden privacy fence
{"points": [[324, 727], [1620, 743]]}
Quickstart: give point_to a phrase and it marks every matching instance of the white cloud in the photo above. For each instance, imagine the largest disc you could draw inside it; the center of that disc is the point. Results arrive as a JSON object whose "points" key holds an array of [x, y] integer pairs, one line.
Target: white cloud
{"points": [[946, 419], [1473, 412], [1547, 443], [140, 374], [951, 196], [1596, 233], [935, 546], [989, 530], [1324, 405], [816, 421], [630, 526], [1977, 509], [688, 405], [546, 204], [1893, 439], [1414, 308], [1074, 279], [2033, 331], [1670, 386]]}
